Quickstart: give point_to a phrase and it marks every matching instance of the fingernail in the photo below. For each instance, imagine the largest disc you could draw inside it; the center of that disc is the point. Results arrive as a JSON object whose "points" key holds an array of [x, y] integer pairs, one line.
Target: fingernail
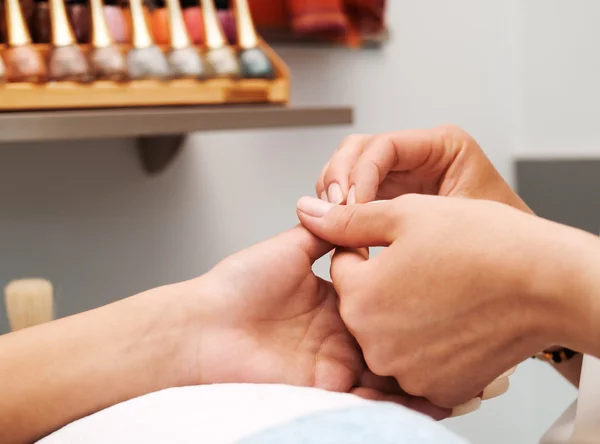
{"points": [[313, 206], [496, 388], [351, 196], [507, 373], [324, 196], [334, 194], [466, 408]]}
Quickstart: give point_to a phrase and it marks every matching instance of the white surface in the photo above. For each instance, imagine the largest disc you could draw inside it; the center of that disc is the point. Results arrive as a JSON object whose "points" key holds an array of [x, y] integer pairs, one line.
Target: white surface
{"points": [[520, 76], [216, 414]]}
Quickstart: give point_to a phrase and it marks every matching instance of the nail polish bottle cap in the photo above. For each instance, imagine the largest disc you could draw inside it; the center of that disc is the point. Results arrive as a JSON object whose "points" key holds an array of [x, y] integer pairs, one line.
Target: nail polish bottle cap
{"points": [[222, 4], [189, 3]]}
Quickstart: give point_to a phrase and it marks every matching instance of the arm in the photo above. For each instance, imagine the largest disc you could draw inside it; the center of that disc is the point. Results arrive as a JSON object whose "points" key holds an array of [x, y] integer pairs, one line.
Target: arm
{"points": [[264, 301], [58, 372]]}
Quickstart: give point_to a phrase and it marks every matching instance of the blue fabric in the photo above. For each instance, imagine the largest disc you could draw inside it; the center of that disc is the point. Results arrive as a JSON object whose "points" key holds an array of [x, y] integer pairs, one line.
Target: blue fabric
{"points": [[381, 423]]}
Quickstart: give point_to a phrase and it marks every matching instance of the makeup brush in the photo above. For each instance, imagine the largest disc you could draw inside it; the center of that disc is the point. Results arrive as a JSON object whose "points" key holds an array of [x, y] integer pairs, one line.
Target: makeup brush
{"points": [[253, 60], [106, 59], [184, 59], [23, 62], [29, 302], [221, 57], [145, 60], [66, 61]]}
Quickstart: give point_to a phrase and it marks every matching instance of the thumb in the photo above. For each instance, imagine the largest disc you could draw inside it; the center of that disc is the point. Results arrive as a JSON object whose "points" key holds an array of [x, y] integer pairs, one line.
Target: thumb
{"points": [[355, 226]]}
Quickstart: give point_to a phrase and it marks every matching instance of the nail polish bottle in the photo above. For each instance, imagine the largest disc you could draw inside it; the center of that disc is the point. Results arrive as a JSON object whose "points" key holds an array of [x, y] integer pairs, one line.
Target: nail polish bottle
{"points": [[184, 59], [79, 17], [2, 23], [192, 15], [128, 26], [27, 6], [106, 60], [221, 57], [254, 62], [116, 21], [159, 23], [41, 22], [227, 20], [66, 61], [145, 60], [23, 62]]}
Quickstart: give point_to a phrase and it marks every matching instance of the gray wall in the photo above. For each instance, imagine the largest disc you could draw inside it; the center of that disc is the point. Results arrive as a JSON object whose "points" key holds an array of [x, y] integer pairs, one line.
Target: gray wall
{"points": [[562, 190]]}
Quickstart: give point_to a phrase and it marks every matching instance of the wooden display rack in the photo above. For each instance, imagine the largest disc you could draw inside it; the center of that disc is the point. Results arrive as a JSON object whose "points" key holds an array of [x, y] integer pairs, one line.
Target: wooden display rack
{"points": [[142, 93]]}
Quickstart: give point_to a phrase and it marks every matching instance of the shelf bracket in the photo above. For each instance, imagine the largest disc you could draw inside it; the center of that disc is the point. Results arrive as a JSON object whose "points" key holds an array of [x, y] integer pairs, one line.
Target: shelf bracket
{"points": [[157, 152]]}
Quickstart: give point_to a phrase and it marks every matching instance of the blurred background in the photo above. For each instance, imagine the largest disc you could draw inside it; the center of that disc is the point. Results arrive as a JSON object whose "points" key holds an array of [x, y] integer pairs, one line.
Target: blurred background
{"points": [[522, 77]]}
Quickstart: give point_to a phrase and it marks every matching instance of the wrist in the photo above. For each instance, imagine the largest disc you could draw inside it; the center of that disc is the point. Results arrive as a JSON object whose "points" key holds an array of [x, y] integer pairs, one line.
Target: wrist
{"points": [[182, 316], [568, 289]]}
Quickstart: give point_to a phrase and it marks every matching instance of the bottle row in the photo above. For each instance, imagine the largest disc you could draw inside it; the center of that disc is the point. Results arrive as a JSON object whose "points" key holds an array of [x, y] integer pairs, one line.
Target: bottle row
{"points": [[105, 58]]}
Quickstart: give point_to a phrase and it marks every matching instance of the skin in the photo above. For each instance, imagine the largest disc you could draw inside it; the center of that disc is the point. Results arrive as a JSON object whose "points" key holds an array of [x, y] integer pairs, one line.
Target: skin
{"points": [[259, 316], [444, 161], [476, 285]]}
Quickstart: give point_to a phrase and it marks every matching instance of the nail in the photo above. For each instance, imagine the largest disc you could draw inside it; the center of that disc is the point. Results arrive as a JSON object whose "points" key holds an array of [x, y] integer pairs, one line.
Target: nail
{"points": [[351, 196], [324, 196], [466, 408], [496, 388], [313, 206], [507, 373], [334, 193]]}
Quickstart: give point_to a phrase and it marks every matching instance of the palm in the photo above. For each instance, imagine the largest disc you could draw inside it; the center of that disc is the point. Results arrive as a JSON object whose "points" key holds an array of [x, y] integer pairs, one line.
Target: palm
{"points": [[280, 321]]}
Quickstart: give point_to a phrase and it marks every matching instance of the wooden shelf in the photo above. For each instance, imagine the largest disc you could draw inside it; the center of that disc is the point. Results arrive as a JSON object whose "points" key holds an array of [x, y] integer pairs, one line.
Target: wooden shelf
{"points": [[160, 131], [283, 37]]}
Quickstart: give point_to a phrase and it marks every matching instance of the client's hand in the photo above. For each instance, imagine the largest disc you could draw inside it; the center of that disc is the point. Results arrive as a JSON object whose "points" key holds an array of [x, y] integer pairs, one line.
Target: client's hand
{"points": [[465, 290], [268, 319]]}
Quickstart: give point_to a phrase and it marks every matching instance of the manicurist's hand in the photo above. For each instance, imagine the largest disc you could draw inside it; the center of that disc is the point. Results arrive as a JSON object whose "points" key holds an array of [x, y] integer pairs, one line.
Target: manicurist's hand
{"points": [[443, 161], [464, 290]]}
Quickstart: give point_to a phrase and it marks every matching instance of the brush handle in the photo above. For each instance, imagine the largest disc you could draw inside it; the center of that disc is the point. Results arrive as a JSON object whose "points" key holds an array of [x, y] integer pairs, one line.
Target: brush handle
{"points": [[29, 302]]}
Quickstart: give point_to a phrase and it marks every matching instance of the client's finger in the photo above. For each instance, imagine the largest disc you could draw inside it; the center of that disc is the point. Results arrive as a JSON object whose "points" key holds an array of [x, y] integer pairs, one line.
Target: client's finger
{"points": [[314, 247], [346, 266]]}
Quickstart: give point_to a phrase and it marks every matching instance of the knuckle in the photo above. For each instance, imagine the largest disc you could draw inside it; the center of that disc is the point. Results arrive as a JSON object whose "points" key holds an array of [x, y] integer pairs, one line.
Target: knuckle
{"points": [[451, 130], [346, 224], [414, 383], [406, 203], [352, 139], [455, 137], [377, 363]]}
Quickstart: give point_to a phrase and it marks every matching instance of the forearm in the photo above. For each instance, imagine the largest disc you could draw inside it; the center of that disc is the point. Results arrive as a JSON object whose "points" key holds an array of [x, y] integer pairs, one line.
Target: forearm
{"points": [[571, 369], [55, 373]]}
